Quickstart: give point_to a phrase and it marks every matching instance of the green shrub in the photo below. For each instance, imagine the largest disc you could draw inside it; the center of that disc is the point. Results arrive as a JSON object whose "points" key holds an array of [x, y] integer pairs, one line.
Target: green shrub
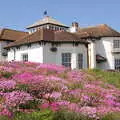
{"points": [[6, 74], [64, 115], [4, 118], [45, 115], [107, 76], [23, 87], [37, 115], [30, 105], [112, 116]]}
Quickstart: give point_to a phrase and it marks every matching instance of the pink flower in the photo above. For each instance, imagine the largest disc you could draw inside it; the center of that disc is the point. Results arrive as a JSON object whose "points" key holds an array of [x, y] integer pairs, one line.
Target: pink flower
{"points": [[54, 106], [10, 84], [16, 98], [56, 95], [89, 111], [45, 105], [6, 112]]}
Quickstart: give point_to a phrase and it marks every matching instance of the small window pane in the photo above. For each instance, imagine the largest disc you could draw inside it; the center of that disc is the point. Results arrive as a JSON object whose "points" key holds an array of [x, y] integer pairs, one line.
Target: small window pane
{"points": [[66, 59], [117, 64], [80, 61], [116, 44]]}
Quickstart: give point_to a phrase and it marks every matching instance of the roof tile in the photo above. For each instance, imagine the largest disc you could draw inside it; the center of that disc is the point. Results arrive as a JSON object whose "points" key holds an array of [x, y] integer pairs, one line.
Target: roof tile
{"points": [[48, 36], [11, 35], [102, 30]]}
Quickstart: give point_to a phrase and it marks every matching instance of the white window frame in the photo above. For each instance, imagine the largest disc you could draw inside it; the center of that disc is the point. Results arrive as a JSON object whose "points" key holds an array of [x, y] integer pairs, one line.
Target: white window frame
{"points": [[66, 59], [116, 43]]}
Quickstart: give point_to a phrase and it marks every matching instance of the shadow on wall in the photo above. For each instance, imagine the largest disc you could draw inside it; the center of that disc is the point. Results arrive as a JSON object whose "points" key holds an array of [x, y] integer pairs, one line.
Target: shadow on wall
{"points": [[103, 51]]}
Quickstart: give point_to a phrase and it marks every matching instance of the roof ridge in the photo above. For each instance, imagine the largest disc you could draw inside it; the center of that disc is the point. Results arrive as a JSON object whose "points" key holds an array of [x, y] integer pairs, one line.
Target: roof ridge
{"points": [[2, 32], [14, 30], [99, 25], [46, 20], [101, 30]]}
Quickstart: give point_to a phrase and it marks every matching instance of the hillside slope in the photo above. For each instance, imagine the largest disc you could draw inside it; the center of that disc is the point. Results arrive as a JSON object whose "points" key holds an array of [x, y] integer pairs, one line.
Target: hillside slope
{"points": [[27, 89]]}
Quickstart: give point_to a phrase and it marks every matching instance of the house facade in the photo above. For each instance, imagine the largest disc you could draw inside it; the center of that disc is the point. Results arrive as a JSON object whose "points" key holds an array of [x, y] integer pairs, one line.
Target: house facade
{"points": [[54, 49], [106, 42], [8, 36], [50, 41], [109, 47]]}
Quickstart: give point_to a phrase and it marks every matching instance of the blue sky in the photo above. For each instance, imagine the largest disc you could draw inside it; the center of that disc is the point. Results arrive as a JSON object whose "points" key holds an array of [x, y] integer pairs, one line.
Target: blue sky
{"points": [[17, 14]]}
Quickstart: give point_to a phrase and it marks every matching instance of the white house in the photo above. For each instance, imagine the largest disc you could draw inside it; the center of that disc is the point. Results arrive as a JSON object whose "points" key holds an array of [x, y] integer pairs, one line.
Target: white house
{"points": [[54, 47], [105, 43], [50, 41], [8, 36]]}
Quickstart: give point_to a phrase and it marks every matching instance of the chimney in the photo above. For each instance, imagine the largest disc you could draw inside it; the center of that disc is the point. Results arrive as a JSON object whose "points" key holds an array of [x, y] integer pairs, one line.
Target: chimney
{"points": [[74, 27], [75, 24]]}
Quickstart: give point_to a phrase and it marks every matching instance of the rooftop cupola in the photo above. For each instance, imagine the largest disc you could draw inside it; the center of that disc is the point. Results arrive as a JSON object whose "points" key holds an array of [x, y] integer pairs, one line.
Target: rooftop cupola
{"points": [[47, 23]]}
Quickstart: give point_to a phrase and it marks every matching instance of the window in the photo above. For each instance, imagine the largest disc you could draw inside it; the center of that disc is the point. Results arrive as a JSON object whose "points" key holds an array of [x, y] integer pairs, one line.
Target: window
{"points": [[50, 27], [66, 59], [117, 64], [116, 44], [25, 57], [80, 61], [55, 28]]}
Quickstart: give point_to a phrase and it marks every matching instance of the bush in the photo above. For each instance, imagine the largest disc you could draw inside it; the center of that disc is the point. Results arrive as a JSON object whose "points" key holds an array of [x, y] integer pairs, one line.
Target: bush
{"points": [[37, 115], [112, 116], [65, 115], [70, 94], [112, 78]]}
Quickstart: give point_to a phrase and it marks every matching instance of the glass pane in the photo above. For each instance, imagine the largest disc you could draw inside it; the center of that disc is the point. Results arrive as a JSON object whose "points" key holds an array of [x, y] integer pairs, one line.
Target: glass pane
{"points": [[117, 64], [66, 59], [80, 61]]}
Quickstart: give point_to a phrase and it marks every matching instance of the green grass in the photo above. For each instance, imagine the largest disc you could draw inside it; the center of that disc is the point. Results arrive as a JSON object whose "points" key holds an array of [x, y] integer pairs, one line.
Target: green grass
{"points": [[64, 115], [112, 116], [109, 77], [37, 115], [60, 115]]}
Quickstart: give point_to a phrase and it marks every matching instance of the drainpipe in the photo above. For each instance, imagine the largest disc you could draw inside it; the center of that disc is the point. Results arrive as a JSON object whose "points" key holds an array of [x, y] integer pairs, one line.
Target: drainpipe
{"points": [[14, 54], [88, 66]]}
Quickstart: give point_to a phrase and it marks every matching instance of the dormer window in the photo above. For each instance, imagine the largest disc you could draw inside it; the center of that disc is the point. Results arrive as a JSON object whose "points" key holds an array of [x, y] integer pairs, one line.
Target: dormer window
{"points": [[116, 44]]}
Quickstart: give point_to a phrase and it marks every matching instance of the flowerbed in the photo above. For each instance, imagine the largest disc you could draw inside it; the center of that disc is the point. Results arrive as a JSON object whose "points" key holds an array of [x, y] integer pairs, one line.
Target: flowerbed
{"points": [[27, 87]]}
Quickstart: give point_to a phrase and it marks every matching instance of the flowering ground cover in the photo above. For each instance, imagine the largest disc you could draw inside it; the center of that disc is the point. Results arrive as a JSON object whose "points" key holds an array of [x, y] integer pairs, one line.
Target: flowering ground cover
{"points": [[28, 89]]}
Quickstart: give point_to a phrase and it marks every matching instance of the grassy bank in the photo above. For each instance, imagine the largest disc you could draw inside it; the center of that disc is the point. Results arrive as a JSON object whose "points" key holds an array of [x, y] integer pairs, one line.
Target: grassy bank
{"points": [[109, 77]]}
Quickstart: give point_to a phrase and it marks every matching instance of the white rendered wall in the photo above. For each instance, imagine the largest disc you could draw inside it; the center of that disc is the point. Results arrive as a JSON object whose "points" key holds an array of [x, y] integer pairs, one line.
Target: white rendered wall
{"points": [[72, 29], [10, 55], [104, 47], [92, 54], [43, 54], [2, 45], [35, 53], [56, 57]]}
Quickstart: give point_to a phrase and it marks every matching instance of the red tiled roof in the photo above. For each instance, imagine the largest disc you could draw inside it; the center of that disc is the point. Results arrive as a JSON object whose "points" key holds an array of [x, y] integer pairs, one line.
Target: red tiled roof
{"points": [[102, 30], [48, 36], [11, 35]]}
